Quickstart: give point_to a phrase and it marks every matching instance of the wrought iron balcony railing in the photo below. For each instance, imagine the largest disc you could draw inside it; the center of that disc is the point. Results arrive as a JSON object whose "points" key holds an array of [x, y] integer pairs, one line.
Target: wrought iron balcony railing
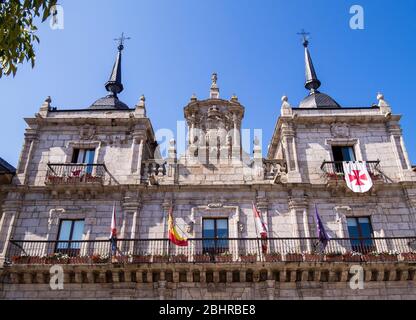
{"points": [[281, 250], [68, 174], [335, 169]]}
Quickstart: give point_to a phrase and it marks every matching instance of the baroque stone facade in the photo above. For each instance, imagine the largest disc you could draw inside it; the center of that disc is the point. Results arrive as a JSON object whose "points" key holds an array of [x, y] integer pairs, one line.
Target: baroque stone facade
{"points": [[214, 179]]}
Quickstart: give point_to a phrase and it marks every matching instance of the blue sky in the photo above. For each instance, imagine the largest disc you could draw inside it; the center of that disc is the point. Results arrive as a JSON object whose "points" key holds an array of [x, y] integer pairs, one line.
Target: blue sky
{"points": [[253, 46]]}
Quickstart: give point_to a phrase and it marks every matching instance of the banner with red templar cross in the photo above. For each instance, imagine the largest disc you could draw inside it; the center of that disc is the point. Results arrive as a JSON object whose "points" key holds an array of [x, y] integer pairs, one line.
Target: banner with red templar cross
{"points": [[357, 177]]}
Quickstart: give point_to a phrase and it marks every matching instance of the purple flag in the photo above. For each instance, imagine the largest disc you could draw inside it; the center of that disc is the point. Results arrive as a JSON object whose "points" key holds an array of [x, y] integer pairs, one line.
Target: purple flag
{"points": [[322, 235]]}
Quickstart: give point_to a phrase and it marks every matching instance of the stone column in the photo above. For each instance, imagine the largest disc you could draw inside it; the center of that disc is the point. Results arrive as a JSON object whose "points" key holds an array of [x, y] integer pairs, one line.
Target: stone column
{"points": [[399, 149], [290, 150], [139, 141], [298, 206], [258, 161], [11, 210], [30, 144], [236, 152], [172, 162], [131, 213]]}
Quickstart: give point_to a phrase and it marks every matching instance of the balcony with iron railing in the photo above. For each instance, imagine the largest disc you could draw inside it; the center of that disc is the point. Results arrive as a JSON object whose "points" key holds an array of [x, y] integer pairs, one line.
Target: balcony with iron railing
{"points": [[75, 174], [214, 251], [334, 170]]}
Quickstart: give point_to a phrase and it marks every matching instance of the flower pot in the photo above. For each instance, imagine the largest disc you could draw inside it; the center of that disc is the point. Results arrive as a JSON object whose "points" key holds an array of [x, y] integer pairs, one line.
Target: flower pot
{"points": [[389, 258], [202, 258], [79, 260], [99, 260], [121, 259], [308, 257], [248, 259], [160, 259], [141, 259], [20, 260], [334, 258], [293, 257], [371, 258], [224, 259], [36, 260], [409, 256], [352, 258], [179, 259], [273, 257]]}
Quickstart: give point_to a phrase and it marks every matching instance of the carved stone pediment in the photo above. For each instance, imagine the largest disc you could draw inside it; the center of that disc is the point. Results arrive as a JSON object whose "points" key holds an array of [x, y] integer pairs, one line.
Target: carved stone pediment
{"points": [[340, 130], [87, 132]]}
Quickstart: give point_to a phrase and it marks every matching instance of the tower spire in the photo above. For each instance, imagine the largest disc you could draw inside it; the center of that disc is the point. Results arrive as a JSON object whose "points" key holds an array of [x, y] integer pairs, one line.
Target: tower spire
{"points": [[312, 81], [114, 84]]}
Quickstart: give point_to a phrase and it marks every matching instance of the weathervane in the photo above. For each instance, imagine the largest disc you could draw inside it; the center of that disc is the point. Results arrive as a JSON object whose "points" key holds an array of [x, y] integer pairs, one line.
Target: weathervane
{"points": [[305, 36], [121, 41]]}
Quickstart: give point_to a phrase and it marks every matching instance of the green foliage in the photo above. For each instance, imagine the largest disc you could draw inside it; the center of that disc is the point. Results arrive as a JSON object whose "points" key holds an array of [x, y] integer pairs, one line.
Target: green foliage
{"points": [[18, 31]]}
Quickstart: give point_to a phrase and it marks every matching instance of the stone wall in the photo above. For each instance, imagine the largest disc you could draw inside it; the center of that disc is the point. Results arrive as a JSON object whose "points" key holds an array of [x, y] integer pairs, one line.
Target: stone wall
{"points": [[193, 282], [284, 211]]}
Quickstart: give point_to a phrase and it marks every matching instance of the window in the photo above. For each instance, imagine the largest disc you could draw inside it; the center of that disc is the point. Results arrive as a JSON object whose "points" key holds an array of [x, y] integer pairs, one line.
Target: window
{"points": [[341, 154], [215, 229], [361, 233], [83, 156], [70, 230]]}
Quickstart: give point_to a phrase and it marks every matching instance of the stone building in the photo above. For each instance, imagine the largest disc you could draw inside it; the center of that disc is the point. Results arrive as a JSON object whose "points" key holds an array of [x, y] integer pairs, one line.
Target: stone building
{"points": [[77, 164], [7, 172]]}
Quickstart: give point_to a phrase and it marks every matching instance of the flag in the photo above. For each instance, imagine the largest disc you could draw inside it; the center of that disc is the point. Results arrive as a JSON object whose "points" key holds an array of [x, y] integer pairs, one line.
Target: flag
{"points": [[261, 228], [260, 225], [322, 235], [113, 234], [357, 176], [174, 236]]}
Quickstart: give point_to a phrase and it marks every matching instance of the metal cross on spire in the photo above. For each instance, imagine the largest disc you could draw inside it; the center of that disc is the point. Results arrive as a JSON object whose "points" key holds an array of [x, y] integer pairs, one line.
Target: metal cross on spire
{"points": [[305, 35], [121, 41]]}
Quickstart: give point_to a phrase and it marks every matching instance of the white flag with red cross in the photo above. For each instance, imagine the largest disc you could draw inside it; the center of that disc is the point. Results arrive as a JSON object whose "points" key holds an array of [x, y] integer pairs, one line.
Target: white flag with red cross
{"points": [[357, 177]]}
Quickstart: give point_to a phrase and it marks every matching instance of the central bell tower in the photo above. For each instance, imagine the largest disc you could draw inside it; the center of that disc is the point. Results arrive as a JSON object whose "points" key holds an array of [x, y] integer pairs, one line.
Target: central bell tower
{"points": [[214, 128]]}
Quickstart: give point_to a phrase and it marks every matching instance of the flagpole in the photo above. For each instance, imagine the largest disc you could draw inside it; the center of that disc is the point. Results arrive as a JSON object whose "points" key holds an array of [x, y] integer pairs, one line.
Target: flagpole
{"points": [[171, 214]]}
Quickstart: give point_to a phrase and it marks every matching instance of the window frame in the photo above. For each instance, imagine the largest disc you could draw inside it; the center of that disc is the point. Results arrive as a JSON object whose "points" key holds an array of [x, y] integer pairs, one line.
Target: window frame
{"points": [[362, 247], [71, 234], [215, 249]]}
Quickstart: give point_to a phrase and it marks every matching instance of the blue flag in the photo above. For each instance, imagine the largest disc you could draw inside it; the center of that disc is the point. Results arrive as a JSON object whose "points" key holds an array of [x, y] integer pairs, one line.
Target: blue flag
{"points": [[322, 235]]}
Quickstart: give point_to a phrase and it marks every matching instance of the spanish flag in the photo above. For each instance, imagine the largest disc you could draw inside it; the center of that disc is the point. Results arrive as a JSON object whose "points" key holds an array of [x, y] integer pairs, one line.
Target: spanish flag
{"points": [[174, 236]]}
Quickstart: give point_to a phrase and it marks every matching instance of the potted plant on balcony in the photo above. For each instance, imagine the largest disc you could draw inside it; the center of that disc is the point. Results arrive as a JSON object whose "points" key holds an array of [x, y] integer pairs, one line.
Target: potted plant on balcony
{"points": [[162, 258], [312, 257], [224, 257], [389, 256], [293, 257], [20, 260], [99, 259], [57, 258], [53, 179], [409, 256], [179, 258], [352, 256], [334, 257], [371, 257], [79, 260], [202, 258], [248, 257], [141, 258], [273, 257]]}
